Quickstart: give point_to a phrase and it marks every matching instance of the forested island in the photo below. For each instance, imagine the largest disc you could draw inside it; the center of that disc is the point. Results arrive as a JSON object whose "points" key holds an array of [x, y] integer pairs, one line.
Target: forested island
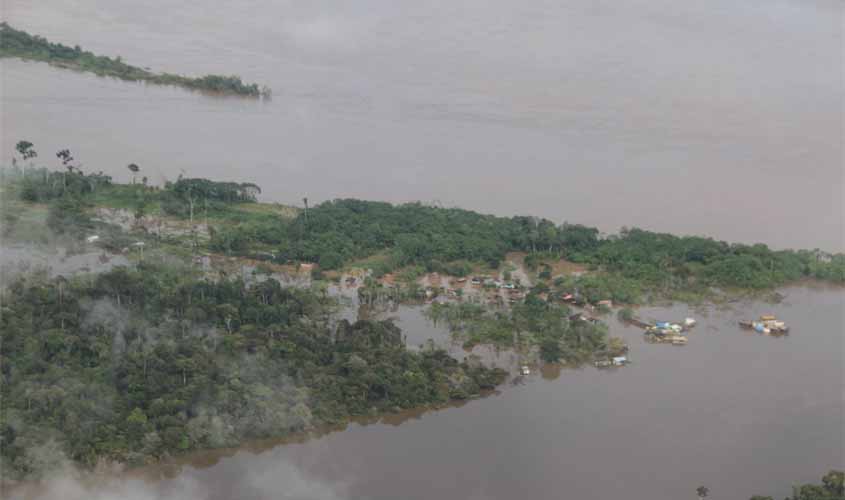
{"points": [[165, 354], [17, 43]]}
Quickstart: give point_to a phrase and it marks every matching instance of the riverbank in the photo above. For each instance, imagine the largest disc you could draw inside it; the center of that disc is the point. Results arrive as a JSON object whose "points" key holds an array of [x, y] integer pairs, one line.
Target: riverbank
{"points": [[17, 43]]}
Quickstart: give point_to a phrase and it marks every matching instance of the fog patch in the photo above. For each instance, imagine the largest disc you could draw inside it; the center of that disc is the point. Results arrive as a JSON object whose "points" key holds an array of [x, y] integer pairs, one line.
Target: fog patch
{"points": [[70, 484], [260, 480], [19, 259]]}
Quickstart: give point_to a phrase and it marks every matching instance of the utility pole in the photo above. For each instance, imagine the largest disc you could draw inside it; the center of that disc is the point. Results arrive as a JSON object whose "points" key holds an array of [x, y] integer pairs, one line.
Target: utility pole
{"points": [[305, 200]]}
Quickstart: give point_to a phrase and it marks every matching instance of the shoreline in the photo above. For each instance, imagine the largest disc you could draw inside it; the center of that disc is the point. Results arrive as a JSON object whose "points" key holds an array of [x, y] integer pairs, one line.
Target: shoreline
{"points": [[170, 465], [21, 45]]}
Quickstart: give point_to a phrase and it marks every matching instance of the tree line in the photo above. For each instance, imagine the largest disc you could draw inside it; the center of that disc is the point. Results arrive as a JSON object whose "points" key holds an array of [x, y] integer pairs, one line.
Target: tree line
{"points": [[338, 233], [18, 43]]}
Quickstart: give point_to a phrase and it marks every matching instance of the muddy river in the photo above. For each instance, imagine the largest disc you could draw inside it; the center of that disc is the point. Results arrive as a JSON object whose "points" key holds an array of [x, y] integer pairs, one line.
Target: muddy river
{"points": [[720, 118]]}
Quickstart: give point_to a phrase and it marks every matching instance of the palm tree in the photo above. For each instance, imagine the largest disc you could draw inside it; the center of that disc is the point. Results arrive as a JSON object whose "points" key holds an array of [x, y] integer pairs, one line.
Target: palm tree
{"points": [[66, 158], [134, 169], [25, 149], [702, 491]]}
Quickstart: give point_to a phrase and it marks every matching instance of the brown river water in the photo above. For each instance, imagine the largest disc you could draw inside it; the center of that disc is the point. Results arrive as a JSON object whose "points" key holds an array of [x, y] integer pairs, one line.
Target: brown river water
{"points": [[720, 118]]}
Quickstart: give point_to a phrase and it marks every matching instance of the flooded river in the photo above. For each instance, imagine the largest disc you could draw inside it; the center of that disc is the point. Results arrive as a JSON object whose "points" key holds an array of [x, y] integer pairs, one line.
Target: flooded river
{"points": [[720, 118]]}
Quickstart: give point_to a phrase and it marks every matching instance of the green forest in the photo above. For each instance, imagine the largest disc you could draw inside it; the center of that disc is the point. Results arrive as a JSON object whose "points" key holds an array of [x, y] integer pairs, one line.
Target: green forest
{"points": [[17, 43], [338, 232], [135, 363], [156, 358], [633, 266]]}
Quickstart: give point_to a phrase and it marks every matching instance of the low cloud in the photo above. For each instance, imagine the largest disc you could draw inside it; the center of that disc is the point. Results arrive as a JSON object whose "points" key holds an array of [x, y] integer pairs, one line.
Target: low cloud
{"points": [[257, 480]]}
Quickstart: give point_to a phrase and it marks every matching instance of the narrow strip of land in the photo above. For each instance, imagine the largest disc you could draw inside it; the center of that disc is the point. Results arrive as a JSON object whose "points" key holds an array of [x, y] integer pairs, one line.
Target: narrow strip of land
{"points": [[20, 44]]}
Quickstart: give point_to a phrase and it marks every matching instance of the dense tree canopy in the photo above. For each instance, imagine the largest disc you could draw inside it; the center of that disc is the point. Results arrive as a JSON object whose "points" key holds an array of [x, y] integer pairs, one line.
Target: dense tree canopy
{"points": [[137, 362], [337, 233]]}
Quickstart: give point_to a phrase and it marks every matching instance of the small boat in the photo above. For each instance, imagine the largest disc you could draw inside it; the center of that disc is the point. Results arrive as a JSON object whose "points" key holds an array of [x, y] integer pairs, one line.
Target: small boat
{"points": [[766, 324]]}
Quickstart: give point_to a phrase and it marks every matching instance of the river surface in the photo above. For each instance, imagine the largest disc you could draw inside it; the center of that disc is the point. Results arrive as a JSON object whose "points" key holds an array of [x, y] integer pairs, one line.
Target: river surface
{"points": [[721, 118]]}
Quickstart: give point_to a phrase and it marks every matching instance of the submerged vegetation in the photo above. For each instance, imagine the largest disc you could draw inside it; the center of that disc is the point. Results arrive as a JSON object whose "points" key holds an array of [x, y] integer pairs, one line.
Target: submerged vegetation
{"points": [[534, 324], [17, 43]]}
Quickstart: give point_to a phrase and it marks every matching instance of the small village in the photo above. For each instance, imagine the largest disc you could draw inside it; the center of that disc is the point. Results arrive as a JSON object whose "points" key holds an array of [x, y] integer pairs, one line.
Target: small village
{"points": [[498, 292]]}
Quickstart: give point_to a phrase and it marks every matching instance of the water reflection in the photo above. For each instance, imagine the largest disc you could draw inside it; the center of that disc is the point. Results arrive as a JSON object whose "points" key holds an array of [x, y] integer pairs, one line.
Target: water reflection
{"points": [[172, 468]]}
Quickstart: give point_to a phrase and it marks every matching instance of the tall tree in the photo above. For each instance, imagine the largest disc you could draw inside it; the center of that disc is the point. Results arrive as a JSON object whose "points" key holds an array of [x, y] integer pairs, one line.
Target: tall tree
{"points": [[26, 150], [134, 169]]}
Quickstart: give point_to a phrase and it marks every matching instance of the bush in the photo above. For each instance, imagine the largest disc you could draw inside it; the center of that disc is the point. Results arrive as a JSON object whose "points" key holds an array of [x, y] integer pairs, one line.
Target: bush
{"points": [[625, 314], [67, 215]]}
